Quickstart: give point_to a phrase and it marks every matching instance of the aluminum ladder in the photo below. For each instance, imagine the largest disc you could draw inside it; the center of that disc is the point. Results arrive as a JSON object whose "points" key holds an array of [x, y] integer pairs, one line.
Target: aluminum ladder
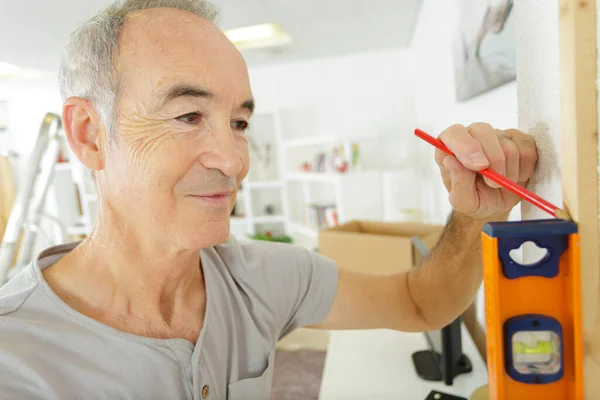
{"points": [[23, 222]]}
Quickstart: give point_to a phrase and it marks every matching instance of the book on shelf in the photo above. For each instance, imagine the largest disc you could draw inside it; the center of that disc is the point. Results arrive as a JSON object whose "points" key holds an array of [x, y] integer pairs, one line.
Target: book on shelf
{"points": [[341, 159], [320, 163], [322, 215]]}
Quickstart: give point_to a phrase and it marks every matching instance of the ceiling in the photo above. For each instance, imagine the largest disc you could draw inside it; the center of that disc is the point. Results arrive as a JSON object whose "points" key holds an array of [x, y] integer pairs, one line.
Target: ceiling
{"points": [[32, 31]]}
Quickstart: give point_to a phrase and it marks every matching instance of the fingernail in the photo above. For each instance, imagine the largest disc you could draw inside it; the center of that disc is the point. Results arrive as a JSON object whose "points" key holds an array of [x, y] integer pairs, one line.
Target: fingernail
{"points": [[479, 159]]}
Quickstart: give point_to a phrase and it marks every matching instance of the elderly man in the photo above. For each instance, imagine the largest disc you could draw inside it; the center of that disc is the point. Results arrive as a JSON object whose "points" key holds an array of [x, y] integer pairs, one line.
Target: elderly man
{"points": [[159, 302]]}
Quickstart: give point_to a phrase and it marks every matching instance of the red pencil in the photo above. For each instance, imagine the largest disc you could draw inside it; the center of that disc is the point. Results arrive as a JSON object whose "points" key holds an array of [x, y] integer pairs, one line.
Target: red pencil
{"points": [[502, 181]]}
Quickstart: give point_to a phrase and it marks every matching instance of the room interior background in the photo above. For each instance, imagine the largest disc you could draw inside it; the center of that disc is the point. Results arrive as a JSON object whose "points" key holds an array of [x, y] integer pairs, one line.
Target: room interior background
{"points": [[365, 75]]}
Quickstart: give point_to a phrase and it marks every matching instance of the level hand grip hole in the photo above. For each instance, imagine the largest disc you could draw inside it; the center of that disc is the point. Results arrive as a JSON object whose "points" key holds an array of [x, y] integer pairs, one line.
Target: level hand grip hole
{"points": [[528, 254]]}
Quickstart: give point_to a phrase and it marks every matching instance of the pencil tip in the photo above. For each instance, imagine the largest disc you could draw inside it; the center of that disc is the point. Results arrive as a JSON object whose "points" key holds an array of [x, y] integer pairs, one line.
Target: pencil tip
{"points": [[562, 214]]}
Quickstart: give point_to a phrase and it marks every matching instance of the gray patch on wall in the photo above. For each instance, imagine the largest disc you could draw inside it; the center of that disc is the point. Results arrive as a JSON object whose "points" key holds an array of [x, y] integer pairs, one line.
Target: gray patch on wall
{"points": [[547, 171]]}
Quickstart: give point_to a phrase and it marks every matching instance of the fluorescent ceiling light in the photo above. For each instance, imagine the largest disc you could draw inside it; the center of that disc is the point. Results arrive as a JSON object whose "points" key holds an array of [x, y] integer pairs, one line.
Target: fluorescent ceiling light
{"points": [[257, 36]]}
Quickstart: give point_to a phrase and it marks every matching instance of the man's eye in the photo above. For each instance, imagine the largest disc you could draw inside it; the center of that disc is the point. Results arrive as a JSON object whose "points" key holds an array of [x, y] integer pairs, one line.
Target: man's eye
{"points": [[191, 118], [241, 126]]}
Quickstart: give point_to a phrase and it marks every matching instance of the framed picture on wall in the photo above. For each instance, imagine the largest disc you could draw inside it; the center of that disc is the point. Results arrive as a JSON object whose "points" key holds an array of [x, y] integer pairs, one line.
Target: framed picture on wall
{"points": [[484, 46]]}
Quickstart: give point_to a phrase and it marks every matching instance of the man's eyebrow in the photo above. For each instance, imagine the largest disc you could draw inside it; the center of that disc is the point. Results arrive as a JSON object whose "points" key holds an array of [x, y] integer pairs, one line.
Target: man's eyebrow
{"points": [[181, 90], [249, 105], [188, 90]]}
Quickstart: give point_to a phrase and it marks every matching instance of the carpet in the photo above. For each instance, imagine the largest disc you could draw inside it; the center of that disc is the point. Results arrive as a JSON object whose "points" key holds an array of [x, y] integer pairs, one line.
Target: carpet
{"points": [[297, 374]]}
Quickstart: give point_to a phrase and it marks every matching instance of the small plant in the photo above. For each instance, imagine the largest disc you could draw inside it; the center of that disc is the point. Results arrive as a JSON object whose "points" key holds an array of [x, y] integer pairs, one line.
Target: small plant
{"points": [[268, 237]]}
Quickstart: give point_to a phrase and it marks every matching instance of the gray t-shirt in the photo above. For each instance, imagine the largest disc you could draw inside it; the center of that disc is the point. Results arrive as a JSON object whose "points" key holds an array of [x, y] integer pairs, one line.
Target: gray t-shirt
{"points": [[256, 293]]}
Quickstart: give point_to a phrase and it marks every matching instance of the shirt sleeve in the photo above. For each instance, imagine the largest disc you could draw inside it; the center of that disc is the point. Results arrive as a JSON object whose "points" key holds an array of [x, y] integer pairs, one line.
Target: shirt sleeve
{"points": [[300, 285], [314, 285]]}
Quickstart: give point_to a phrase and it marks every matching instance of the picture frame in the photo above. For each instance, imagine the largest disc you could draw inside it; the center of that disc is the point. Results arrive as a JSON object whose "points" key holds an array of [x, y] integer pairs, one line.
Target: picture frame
{"points": [[484, 47]]}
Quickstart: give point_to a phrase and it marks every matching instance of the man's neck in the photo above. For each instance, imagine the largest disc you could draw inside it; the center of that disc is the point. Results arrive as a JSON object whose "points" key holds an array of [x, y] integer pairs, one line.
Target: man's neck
{"points": [[117, 275]]}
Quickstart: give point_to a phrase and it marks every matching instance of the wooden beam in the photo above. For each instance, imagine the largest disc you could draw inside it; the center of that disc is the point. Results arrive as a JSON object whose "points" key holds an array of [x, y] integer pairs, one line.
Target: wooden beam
{"points": [[579, 120]]}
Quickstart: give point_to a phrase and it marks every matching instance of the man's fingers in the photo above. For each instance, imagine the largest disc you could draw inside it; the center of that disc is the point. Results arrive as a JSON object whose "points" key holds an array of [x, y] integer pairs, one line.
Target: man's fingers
{"points": [[466, 149], [463, 193], [488, 137], [511, 153], [527, 153], [444, 172]]}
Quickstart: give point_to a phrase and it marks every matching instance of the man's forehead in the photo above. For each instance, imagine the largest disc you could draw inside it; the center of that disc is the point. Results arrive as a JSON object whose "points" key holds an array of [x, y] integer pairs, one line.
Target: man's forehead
{"points": [[166, 46], [171, 22], [167, 32]]}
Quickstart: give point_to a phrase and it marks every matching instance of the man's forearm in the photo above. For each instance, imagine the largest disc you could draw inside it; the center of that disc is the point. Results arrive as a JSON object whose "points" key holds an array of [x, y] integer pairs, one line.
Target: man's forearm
{"points": [[446, 282]]}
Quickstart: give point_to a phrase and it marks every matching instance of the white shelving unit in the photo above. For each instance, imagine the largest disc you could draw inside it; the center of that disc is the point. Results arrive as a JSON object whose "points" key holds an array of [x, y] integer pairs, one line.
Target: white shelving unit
{"points": [[310, 141], [314, 176], [263, 186], [302, 229], [354, 194]]}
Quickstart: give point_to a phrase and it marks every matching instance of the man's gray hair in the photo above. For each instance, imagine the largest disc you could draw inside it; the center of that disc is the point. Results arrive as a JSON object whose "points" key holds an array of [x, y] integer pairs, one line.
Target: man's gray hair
{"points": [[87, 68]]}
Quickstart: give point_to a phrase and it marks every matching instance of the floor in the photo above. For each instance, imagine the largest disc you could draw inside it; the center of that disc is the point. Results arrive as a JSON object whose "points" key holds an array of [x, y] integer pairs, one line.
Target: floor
{"points": [[305, 339], [299, 362], [297, 374]]}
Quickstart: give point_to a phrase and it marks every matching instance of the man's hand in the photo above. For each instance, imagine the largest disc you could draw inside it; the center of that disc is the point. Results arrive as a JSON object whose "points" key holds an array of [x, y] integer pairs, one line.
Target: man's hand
{"points": [[510, 153]]}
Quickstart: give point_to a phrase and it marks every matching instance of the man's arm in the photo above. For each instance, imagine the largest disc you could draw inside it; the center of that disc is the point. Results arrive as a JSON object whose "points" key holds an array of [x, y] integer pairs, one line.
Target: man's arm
{"points": [[439, 290], [423, 298], [453, 271]]}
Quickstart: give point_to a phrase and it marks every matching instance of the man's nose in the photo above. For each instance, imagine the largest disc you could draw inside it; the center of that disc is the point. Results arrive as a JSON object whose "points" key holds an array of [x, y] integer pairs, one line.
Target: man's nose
{"points": [[222, 151]]}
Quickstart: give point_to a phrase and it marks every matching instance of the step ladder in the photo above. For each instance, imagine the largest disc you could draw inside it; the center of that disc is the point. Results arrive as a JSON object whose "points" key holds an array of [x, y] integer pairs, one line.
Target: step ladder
{"points": [[23, 222]]}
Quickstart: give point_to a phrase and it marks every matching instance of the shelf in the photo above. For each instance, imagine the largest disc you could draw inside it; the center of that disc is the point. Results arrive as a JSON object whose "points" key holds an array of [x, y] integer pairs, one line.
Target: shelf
{"points": [[311, 141], [268, 219], [264, 184], [315, 176], [305, 230], [238, 220], [323, 140], [311, 176]]}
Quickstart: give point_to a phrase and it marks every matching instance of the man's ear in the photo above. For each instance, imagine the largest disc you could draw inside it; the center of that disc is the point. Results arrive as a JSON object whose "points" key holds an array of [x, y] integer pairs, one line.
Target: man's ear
{"points": [[83, 127]]}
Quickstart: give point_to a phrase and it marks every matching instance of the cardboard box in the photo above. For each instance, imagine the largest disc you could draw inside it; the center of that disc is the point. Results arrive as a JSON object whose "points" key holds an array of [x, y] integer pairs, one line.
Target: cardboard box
{"points": [[381, 248]]}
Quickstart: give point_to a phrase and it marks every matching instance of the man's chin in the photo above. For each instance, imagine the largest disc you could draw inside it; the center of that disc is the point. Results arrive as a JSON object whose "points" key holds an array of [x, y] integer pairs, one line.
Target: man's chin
{"points": [[207, 234]]}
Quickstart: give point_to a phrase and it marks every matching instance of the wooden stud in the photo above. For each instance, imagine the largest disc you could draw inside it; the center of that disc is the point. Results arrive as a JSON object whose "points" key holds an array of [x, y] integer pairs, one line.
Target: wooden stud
{"points": [[579, 120]]}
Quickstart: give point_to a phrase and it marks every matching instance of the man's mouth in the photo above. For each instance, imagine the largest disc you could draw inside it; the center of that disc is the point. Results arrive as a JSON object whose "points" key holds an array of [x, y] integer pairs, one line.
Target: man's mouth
{"points": [[218, 198]]}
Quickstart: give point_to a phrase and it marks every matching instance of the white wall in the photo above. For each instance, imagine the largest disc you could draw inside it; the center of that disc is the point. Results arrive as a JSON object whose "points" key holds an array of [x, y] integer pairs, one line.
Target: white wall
{"points": [[436, 107], [364, 94], [538, 68], [28, 102]]}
